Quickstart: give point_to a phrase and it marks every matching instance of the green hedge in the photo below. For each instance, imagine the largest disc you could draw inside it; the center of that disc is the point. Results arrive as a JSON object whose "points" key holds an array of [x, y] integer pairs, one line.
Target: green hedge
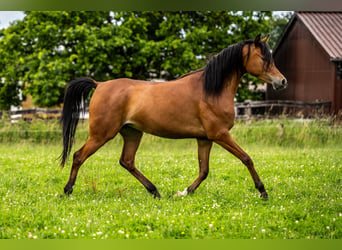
{"points": [[280, 132]]}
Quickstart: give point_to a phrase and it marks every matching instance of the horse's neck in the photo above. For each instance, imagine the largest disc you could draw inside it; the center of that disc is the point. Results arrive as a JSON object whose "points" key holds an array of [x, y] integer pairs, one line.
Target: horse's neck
{"points": [[231, 87]]}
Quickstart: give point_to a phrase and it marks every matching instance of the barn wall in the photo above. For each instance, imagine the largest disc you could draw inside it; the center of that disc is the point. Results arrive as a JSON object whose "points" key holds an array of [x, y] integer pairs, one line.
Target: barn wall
{"points": [[337, 107], [305, 65]]}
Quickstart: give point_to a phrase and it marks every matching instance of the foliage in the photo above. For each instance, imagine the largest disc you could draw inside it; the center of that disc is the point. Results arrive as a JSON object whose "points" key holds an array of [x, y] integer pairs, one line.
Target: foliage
{"points": [[36, 131], [49, 48], [294, 133], [9, 67], [278, 22]]}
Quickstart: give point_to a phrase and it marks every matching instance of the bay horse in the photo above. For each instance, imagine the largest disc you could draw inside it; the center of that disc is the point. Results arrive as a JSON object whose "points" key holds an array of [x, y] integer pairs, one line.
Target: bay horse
{"points": [[197, 105]]}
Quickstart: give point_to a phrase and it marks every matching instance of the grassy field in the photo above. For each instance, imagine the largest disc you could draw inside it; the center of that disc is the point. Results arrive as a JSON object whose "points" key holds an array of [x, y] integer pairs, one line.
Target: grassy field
{"points": [[301, 168]]}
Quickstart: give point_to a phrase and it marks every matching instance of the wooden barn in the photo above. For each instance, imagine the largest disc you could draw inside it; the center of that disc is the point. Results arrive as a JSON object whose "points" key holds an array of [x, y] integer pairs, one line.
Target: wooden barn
{"points": [[309, 54]]}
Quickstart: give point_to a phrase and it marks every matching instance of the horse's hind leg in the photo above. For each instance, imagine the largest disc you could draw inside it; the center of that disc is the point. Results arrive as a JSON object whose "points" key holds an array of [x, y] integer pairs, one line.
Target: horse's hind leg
{"points": [[132, 138], [204, 147], [80, 156]]}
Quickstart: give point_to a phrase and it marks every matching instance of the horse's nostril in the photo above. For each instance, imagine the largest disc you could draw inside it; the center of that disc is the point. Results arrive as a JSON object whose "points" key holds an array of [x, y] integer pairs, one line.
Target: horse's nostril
{"points": [[284, 81]]}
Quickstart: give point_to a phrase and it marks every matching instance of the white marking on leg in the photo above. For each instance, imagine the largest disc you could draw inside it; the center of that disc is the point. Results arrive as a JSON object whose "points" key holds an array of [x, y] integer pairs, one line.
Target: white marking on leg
{"points": [[180, 194]]}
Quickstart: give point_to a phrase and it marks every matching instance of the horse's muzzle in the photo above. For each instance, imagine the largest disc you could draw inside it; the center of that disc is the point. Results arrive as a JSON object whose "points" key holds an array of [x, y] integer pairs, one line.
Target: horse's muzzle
{"points": [[280, 84]]}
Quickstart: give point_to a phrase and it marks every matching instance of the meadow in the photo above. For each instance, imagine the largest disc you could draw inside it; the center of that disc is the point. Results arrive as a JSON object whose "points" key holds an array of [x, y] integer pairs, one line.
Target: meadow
{"points": [[300, 165]]}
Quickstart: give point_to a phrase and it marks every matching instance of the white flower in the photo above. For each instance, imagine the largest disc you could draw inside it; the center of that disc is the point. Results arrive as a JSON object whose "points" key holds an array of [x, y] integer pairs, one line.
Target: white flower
{"points": [[215, 205]]}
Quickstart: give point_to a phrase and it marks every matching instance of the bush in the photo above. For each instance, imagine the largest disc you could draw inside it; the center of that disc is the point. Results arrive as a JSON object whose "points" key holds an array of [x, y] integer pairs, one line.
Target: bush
{"points": [[277, 132], [36, 130], [288, 132]]}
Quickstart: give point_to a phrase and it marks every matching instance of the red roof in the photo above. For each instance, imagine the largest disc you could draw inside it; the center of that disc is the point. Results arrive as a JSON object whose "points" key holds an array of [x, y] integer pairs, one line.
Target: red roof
{"points": [[326, 28]]}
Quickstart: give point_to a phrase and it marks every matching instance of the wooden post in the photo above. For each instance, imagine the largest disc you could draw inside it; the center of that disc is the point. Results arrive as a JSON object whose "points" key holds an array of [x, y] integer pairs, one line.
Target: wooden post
{"points": [[248, 109], [281, 132]]}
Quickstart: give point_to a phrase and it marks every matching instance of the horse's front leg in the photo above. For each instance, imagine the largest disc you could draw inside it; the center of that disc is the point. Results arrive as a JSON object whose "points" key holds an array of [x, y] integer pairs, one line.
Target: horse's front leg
{"points": [[226, 141]]}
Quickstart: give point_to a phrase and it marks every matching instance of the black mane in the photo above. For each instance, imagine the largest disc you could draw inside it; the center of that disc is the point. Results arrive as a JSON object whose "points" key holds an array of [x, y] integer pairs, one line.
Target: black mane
{"points": [[228, 62]]}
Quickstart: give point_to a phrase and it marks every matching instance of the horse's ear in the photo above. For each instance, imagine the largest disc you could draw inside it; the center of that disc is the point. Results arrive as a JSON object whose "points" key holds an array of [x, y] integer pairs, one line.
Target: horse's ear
{"points": [[257, 39], [266, 38]]}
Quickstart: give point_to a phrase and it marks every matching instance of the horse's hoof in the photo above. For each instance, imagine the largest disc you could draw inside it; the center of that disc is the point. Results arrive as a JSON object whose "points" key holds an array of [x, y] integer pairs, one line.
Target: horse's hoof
{"points": [[156, 195], [68, 192], [264, 196]]}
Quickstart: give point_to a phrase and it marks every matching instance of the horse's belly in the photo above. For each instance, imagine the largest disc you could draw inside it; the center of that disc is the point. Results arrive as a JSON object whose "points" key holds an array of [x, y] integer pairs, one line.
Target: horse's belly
{"points": [[176, 134], [169, 129]]}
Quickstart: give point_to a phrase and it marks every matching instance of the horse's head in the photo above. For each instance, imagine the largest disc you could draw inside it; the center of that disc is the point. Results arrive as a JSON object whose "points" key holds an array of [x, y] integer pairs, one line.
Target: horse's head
{"points": [[257, 59]]}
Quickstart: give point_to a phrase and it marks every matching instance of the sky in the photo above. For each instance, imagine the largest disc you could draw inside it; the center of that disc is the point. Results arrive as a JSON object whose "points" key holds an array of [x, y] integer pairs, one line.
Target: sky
{"points": [[8, 16]]}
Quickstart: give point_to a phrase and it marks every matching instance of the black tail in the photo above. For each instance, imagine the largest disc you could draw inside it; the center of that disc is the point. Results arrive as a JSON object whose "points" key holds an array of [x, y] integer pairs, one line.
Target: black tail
{"points": [[77, 91]]}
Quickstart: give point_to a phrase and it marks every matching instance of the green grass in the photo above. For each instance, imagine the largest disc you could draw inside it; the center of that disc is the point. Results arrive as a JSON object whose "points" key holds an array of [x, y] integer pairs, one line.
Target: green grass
{"points": [[301, 171], [296, 133]]}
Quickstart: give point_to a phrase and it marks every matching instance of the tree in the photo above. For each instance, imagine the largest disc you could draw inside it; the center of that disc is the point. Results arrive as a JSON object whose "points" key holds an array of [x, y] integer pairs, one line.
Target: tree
{"points": [[9, 63], [64, 45], [45, 50], [48, 49], [278, 24]]}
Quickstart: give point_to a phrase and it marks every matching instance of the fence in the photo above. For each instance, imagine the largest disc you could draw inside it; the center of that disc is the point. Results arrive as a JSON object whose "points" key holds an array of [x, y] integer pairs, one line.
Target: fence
{"points": [[31, 113], [243, 110], [249, 108]]}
